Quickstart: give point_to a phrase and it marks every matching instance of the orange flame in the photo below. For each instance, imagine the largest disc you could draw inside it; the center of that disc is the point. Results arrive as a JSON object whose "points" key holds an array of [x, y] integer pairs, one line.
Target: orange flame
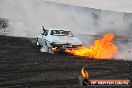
{"points": [[102, 48], [84, 73]]}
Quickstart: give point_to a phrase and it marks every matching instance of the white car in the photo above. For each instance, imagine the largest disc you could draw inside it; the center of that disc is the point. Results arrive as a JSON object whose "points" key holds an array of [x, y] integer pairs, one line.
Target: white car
{"points": [[53, 40]]}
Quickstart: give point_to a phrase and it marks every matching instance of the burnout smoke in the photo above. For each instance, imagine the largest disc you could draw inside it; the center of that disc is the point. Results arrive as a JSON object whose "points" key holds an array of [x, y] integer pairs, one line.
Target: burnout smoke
{"points": [[125, 49], [27, 17]]}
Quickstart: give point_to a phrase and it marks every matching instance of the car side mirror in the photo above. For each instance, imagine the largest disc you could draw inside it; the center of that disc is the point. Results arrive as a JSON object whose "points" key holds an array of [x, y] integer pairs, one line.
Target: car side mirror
{"points": [[42, 33]]}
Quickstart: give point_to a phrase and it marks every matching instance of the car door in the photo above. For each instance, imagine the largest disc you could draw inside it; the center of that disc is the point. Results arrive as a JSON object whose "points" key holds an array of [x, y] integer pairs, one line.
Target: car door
{"points": [[43, 37]]}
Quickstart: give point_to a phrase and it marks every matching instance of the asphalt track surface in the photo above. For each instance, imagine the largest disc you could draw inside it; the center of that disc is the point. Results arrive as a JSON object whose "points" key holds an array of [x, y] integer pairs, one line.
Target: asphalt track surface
{"points": [[22, 65]]}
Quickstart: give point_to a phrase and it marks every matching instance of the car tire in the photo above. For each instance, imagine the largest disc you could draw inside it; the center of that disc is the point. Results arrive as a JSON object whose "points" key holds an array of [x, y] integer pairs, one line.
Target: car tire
{"points": [[46, 48]]}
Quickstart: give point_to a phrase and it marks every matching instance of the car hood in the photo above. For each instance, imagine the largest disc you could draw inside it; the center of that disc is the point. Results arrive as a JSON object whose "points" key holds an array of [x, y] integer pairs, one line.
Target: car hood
{"points": [[67, 39]]}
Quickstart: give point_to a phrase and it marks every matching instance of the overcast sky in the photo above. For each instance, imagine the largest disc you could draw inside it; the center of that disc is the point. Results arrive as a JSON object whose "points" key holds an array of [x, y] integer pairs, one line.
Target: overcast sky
{"points": [[114, 5]]}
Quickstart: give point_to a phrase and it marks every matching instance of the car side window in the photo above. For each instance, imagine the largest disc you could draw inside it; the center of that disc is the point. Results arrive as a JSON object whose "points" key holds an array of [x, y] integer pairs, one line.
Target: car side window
{"points": [[51, 32]]}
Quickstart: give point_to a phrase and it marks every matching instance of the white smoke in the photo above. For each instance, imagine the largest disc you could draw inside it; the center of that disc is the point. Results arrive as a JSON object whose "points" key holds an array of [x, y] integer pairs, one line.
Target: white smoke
{"points": [[113, 5], [124, 49], [27, 16]]}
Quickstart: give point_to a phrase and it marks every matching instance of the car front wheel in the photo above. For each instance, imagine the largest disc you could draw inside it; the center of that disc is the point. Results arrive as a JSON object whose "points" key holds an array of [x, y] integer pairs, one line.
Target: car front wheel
{"points": [[46, 48]]}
